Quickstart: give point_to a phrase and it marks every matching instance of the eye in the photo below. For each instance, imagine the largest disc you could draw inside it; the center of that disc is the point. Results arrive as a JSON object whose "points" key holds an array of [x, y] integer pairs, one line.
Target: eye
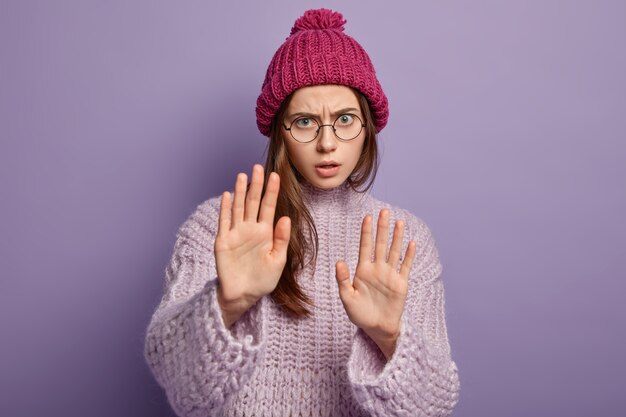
{"points": [[304, 123], [345, 119]]}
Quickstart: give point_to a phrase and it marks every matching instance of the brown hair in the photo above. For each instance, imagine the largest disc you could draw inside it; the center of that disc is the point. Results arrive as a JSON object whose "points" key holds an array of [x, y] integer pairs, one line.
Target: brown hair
{"points": [[288, 293]]}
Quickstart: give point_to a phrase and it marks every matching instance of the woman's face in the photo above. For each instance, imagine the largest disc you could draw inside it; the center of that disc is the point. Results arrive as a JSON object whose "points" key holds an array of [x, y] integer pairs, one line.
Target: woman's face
{"points": [[325, 162]]}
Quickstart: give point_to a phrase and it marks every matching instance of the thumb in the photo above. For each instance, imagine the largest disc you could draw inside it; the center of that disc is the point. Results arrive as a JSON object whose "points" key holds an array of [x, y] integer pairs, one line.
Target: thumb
{"points": [[282, 232], [342, 273]]}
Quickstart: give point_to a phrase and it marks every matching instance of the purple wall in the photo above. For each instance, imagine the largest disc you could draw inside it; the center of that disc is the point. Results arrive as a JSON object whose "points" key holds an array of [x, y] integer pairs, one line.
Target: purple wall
{"points": [[507, 135]]}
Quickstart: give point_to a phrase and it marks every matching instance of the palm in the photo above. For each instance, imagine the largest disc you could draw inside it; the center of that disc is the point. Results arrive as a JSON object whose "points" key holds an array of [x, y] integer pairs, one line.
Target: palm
{"points": [[376, 302], [246, 253]]}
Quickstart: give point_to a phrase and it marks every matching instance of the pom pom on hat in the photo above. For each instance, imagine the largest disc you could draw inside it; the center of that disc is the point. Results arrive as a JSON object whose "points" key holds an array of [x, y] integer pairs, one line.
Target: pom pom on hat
{"points": [[317, 52], [319, 19]]}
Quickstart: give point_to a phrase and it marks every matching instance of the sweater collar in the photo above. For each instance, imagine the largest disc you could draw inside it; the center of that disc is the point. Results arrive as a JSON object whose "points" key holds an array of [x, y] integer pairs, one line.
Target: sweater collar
{"points": [[340, 196]]}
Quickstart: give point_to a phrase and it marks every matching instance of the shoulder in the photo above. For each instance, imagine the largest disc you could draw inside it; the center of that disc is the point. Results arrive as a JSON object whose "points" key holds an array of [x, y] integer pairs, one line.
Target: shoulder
{"points": [[416, 227], [200, 227], [426, 264]]}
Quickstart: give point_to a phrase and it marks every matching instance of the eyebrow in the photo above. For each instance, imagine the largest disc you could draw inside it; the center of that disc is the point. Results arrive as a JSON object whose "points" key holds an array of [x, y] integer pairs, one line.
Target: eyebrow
{"points": [[335, 113]]}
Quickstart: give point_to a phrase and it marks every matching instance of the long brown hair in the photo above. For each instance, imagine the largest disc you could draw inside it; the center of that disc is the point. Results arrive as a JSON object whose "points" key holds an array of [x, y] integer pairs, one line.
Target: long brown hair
{"points": [[288, 292]]}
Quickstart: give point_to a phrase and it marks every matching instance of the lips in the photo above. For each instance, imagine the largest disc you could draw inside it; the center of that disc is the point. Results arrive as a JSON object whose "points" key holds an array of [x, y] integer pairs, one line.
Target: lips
{"points": [[327, 164], [327, 169]]}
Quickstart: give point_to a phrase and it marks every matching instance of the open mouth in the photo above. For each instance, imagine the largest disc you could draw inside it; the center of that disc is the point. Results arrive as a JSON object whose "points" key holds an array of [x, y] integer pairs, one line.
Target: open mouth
{"points": [[327, 169]]}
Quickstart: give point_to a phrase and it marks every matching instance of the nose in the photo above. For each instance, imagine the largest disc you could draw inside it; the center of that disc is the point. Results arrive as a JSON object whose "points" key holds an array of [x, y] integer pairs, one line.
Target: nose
{"points": [[326, 141]]}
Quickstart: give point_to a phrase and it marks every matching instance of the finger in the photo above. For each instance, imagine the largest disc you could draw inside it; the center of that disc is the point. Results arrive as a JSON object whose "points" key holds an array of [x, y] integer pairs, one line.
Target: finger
{"points": [[342, 273], [408, 259], [365, 251], [224, 222], [254, 194], [396, 245], [238, 201], [282, 232], [268, 205], [382, 236]]}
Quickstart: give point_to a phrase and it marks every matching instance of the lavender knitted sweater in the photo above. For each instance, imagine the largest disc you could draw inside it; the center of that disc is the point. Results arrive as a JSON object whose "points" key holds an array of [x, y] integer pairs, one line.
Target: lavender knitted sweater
{"points": [[268, 364]]}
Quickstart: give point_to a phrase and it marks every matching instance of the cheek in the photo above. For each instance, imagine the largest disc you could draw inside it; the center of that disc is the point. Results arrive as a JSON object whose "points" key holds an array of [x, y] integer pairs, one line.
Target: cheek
{"points": [[356, 151], [296, 154], [288, 147]]}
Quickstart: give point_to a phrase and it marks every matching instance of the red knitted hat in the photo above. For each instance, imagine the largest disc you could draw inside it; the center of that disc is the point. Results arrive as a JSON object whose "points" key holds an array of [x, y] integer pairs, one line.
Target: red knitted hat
{"points": [[318, 52]]}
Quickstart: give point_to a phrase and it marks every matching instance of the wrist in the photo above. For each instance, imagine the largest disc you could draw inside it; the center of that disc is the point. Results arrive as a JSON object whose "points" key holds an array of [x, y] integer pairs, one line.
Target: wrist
{"points": [[233, 308], [386, 341]]}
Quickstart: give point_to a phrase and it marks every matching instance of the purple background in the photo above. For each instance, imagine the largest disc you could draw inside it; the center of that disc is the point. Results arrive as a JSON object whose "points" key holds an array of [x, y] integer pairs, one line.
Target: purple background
{"points": [[507, 135]]}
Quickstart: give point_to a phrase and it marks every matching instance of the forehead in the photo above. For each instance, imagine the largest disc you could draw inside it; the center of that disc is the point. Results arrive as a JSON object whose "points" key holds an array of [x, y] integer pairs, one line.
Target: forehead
{"points": [[316, 99]]}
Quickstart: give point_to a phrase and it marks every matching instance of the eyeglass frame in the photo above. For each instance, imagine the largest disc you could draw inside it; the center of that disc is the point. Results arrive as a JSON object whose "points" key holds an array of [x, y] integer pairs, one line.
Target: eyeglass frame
{"points": [[320, 126]]}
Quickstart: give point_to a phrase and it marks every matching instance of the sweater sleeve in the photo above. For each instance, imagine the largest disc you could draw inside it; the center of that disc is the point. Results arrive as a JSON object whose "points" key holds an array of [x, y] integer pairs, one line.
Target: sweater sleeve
{"points": [[420, 379], [198, 361]]}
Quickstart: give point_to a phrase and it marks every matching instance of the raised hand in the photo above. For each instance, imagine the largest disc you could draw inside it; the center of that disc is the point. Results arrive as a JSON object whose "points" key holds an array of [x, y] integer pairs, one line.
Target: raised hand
{"points": [[250, 253], [374, 301]]}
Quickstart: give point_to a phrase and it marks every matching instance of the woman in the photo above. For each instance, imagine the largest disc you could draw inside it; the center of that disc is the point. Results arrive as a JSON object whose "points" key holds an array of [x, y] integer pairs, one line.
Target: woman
{"points": [[285, 298]]}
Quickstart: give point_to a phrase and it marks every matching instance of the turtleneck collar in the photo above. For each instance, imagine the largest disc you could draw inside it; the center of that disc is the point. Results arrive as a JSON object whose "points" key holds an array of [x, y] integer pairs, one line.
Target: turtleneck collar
{"points": [[341, 195]]}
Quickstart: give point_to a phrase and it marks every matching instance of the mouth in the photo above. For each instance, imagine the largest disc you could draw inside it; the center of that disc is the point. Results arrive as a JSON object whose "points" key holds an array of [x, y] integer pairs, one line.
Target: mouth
{"points": [[329, 164], [327, 169]]}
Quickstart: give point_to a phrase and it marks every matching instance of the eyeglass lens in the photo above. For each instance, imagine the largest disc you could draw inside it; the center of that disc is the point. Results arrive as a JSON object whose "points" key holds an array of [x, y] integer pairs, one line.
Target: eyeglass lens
{"points": [[306, 129]]}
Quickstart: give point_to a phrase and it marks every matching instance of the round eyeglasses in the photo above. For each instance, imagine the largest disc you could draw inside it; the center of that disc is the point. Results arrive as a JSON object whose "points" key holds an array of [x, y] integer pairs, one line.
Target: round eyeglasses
{"points": [[305, 129]]}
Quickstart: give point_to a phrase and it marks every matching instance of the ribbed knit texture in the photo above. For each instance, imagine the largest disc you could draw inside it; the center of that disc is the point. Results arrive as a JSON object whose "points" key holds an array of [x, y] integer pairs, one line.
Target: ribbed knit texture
{"points": [[269, 364], [318, 52]]}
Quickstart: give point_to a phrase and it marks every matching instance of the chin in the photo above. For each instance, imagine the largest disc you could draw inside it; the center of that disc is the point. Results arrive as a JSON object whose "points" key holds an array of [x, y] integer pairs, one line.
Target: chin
{"points": [[327, 184]]}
